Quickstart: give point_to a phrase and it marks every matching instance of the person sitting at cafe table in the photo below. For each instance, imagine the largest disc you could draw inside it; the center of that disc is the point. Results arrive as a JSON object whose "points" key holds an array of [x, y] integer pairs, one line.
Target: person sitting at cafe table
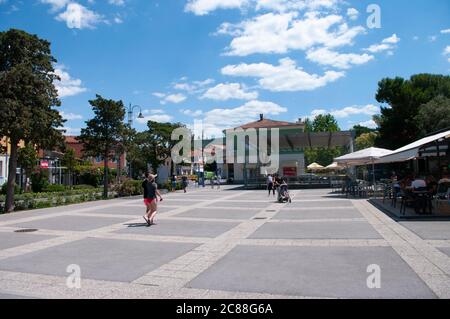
{"points": [[432, 185], [418, 184]]}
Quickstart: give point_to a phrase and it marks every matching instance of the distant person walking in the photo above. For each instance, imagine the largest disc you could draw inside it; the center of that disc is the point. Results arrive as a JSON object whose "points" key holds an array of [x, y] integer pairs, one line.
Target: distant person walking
{"points": [[173, 181], [270, 186], [151, 194], [184, 181]]}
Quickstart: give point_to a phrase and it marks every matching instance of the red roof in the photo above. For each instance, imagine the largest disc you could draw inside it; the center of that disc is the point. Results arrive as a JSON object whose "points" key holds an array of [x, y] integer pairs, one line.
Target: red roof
{"points": [[267, 123]]}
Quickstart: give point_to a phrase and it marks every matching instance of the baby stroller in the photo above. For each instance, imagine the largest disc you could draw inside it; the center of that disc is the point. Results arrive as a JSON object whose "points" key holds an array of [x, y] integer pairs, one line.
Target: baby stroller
{"points": [[283, 194]]}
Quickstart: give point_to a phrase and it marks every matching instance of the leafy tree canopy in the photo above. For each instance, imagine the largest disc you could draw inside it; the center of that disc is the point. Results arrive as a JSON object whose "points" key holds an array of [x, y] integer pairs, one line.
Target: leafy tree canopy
{"points": [[398, 123]]}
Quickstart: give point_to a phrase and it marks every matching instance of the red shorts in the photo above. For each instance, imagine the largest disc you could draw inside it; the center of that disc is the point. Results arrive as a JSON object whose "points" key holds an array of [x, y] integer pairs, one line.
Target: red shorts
{"points": [[148, 201]]}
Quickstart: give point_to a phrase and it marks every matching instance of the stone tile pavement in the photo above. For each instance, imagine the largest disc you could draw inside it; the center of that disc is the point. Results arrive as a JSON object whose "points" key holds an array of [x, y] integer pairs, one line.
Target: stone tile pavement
{"points": [[225, 243]]}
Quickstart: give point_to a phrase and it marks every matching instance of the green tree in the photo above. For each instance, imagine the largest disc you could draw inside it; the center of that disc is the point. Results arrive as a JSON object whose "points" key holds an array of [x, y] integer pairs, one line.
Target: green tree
{"points": [[70, 162], [27, 97], [103, 133], [434, 115], [322, 155], [398, 123], [27, 159], [160, 143], [359, 130], [366, 140]]}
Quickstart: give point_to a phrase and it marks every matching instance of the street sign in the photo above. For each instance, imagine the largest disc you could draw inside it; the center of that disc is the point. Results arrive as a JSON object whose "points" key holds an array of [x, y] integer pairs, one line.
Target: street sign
{"points": [[44, 164]]}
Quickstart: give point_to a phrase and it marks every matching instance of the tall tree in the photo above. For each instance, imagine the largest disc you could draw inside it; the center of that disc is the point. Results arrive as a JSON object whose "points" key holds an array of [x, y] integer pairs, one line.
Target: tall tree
{"points": [[366, 140], [27, 160], [103, 133], [27, 97], [434, 115], [70, 162], [322, 155], [160, 142], [397, 123], [359, 130]]}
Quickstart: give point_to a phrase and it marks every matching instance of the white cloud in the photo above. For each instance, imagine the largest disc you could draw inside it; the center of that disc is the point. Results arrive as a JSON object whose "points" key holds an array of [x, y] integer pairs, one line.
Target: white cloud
{"points": [[325, 56], [192, 113], [216, 120], [369, 124], [368, 109], [432, 38], [203, 7], [67, 86], [447, 52], [155, 115], [77, 16], [117, 2], [72, 131], [289, 5], [352, 13], [346, 112], [284, 77], [70, 116], [227, 91], [282, 32], [194, 87], [56, 5], [159, 95], [387, 44], [446, 31], [171, 98]]}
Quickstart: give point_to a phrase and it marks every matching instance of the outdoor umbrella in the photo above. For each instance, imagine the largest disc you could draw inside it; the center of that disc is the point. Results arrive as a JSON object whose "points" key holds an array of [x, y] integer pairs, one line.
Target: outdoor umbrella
{"points": [[315, 167], [363, 157], [334, 167]]}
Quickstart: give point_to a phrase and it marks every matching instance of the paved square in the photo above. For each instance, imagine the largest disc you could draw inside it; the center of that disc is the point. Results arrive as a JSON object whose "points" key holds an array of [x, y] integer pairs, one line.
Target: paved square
{"points": [[101, 259], [241, 204], [324, 203], [185, 228], [11, 239], [74, 223], [317, 230], [322, 213], [219, 213], [223, 242], [429, 229], [317, 272]]}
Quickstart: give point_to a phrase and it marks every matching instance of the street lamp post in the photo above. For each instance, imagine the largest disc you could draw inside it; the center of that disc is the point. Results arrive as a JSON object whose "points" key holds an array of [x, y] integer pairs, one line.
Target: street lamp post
{"points": [[130, 123], [130, 113]]}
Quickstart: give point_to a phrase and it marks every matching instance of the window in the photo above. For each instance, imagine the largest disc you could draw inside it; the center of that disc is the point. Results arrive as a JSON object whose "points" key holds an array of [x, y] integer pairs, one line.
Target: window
{"points": [[1, 168]]}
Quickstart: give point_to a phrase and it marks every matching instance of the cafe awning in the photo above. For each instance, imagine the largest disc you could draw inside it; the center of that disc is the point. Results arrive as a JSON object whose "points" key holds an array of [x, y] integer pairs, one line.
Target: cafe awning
{"points": [[363, 157], [412, 150]]}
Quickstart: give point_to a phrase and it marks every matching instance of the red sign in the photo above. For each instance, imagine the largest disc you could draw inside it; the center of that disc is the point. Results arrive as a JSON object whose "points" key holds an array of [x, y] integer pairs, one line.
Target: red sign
{"points": [[44, 164], [289, 171]]}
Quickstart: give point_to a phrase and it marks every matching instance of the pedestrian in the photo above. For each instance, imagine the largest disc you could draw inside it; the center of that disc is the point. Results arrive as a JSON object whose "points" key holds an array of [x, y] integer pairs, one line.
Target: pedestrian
{"points": [[151, 194], [270, 186], [184, 181], [173, 180]]}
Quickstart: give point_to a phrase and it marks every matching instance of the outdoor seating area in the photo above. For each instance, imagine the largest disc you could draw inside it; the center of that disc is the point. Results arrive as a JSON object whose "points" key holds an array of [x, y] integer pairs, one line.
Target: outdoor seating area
{"points": [[422, 190]]}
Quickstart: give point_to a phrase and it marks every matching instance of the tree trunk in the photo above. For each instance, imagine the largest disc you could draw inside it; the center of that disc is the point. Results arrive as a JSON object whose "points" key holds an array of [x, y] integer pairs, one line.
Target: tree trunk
{"points": [[12, 167], [105, 177], [119, 169]]}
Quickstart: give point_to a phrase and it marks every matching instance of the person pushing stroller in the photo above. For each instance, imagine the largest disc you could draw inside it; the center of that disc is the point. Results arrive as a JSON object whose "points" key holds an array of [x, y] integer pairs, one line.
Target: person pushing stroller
{"points": [[283, 190]]}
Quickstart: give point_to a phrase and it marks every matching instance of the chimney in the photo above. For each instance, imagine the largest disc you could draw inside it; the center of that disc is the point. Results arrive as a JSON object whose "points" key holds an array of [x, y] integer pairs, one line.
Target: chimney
{"points": [[261, 117]]}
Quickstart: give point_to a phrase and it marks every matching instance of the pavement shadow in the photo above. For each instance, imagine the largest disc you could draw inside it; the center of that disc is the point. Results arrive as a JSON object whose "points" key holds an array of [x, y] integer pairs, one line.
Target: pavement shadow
{"points": [[136, 225]]}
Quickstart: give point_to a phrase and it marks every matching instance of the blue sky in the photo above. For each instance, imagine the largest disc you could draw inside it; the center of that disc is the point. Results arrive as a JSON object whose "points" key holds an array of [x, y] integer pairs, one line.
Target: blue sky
{"points": [[226, 61]]}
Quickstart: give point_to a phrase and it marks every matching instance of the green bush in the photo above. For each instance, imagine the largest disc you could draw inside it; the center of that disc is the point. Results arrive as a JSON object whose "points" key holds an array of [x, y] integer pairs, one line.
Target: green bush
{"points": [[130, 188], [83, 187], [17, 189], [54, 188], [39, 181], [92, 179]]}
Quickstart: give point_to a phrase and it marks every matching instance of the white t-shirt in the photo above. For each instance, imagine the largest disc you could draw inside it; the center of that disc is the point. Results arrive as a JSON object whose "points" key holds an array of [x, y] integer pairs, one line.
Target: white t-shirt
{"points": [[418, 183], [269, 179]]}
